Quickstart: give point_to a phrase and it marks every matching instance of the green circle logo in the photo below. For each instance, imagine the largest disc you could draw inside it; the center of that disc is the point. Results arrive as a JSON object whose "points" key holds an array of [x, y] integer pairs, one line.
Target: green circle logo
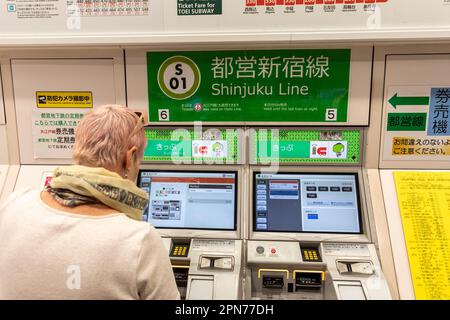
{"points": [[179, 77]]}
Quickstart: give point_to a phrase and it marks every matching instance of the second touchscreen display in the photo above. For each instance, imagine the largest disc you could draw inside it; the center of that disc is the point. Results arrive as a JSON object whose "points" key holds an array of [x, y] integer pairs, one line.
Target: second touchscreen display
{"points": [[319, 203]]}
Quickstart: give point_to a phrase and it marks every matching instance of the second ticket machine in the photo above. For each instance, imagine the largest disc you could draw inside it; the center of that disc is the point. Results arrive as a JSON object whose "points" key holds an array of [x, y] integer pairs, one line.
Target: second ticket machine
{"points": [[311, 234]]}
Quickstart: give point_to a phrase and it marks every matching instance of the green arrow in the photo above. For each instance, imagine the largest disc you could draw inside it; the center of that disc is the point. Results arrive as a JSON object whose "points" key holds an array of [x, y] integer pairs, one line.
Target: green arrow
{"points": [[408, 101]]}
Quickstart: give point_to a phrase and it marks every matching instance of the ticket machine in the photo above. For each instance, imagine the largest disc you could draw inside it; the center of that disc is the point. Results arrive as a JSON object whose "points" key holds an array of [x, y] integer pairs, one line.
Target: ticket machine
{"points": [[310, 237], [311, 233], [198, 215], [195, 179]]}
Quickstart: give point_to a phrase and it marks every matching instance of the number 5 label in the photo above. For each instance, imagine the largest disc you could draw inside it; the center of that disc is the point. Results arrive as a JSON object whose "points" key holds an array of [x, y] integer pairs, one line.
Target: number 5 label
{"points": [[331, 115]]}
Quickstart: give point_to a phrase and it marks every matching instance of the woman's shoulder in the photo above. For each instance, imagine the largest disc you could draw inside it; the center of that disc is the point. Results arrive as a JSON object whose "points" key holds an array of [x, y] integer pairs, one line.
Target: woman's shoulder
{"points": [[143, 227], [17, 197]]}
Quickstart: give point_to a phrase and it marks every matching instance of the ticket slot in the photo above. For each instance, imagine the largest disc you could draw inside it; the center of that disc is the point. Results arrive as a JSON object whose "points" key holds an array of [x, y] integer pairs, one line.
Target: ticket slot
{"points": [[355, 267], [181, 274], [272, 282], [216, 262], [273, 279]]}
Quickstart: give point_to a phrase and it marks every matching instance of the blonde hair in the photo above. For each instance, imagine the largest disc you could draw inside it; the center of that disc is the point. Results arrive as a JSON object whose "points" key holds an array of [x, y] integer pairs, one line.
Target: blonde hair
{"points": [[103, 137]]}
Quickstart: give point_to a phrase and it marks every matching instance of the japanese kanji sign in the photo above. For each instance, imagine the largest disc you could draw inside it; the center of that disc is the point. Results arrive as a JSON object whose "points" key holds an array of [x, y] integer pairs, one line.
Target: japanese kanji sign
{"points": [[439, 107], [54, 132], [422, 113], [249, 86], [66, 99]]}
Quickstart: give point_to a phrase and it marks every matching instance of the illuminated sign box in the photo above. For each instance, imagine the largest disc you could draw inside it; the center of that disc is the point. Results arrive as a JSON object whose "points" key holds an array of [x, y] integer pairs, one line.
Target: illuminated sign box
{"points": [[193, 146], [288, 146]]}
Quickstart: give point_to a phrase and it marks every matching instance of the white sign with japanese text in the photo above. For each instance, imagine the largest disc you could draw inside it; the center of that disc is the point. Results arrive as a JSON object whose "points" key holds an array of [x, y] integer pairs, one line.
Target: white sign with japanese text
{"points": [[417, 123], [416, 108], [54, 132]]}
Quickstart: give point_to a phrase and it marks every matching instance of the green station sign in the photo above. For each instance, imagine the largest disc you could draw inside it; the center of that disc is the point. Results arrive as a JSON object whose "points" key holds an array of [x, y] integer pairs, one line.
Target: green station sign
{"points": [[187, 145], [305, 146], [249, 86]]}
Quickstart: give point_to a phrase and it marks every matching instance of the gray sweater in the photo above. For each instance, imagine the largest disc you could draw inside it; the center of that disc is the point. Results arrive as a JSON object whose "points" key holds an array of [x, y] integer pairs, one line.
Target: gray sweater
{"points": [[50, 254]]}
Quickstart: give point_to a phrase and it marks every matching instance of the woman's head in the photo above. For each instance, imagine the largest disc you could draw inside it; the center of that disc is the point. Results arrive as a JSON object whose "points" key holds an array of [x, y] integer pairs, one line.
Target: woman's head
{"points": [[111, 137]]}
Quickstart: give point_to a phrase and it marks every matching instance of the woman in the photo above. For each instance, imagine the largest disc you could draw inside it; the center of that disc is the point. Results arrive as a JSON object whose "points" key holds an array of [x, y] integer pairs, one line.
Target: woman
{"points": [[83, 237]]}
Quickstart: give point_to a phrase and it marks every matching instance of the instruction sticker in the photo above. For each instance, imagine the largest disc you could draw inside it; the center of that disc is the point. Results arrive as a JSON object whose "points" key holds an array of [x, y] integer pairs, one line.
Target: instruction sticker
{"points": [[346, 249], [64, 99], [423, 199], [213, 245]]}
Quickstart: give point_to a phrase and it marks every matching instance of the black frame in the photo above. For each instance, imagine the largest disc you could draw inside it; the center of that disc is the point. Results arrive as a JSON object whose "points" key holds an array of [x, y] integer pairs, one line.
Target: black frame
{"points": [[358, 197], [200, 171]]}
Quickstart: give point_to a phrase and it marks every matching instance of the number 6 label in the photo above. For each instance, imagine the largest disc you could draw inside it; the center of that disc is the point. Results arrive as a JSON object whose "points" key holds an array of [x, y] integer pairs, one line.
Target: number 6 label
{"points": [[163, 115]]}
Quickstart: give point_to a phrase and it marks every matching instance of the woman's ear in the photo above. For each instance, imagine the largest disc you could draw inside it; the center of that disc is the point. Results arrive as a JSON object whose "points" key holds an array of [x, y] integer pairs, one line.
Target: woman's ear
{"points": [[130, 158]]}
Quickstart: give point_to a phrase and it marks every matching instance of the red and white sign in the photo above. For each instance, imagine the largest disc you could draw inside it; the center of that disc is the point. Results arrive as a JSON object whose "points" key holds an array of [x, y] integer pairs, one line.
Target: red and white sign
{"points": [[267, 3], [209, 148], [328, 150]]}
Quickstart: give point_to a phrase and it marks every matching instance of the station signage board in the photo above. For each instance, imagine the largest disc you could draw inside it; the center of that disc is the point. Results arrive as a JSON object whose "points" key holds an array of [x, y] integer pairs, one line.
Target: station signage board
{"points": [[270, 86]]}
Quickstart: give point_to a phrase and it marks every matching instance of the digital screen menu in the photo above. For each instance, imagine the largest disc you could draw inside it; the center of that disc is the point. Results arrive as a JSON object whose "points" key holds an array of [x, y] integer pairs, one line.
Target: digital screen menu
{"points": [[190, 200], [316, 203]]}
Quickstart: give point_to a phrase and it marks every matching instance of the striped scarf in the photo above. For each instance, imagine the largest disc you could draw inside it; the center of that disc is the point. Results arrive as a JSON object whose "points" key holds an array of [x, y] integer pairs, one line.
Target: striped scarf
{"points": [[79, 185]]}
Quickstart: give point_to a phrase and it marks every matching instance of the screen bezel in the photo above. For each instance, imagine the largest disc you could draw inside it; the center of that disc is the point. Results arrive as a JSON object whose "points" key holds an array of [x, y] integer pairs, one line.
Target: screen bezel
{"points": [[198, 171], [358, 197]]}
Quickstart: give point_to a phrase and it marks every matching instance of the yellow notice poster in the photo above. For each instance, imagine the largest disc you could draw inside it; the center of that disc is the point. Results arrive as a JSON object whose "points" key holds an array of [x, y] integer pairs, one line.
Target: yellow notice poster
{"points": [[424, 201], [64, 99]]}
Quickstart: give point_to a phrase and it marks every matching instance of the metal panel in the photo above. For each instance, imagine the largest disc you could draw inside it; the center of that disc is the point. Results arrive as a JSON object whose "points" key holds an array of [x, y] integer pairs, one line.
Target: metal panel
{"points": [[98, 73]]}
